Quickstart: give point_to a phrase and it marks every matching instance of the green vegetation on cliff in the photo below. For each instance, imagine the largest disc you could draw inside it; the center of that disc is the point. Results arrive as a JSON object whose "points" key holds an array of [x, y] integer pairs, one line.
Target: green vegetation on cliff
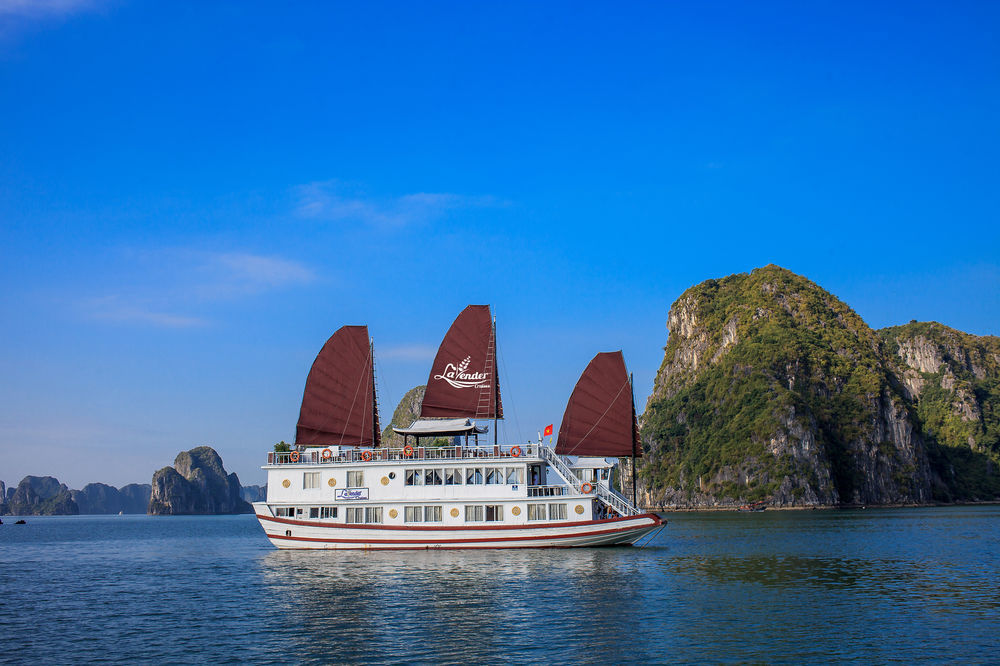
{"points": [[771, 387], [954, 380]]}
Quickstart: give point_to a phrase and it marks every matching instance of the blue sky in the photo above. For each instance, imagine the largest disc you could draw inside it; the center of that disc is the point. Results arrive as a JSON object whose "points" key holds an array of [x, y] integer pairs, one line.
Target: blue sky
{"points": [[195, 195]]}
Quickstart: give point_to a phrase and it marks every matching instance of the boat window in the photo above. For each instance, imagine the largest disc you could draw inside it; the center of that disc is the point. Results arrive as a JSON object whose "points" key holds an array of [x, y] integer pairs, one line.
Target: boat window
{"points": [[515, 475], [355, 514], [284, 512], [452, 477], [432, 477], [557, 512], [432, 514], [494, 512], [356, 479], [414, 477], [491, 475], [310, 480], [328, 512], [314, 512], [373, 514], [474, 475], [604, 474], [413, 514], [536, 512], [474, 513]]}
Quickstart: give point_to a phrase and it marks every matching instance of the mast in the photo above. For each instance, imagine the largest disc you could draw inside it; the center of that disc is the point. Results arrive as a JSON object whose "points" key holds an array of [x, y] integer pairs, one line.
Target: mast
{"points": [[376, 435], [496, 382], [632, 389]]}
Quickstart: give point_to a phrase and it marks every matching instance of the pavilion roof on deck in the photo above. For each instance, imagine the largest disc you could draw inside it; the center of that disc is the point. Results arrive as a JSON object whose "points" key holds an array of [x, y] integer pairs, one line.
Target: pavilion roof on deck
{"points": [[441, 428]]}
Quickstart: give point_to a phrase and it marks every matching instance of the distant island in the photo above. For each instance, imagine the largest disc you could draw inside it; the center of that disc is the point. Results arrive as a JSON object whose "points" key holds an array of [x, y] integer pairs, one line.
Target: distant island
{"points": [[197, 484], [773, 389]]}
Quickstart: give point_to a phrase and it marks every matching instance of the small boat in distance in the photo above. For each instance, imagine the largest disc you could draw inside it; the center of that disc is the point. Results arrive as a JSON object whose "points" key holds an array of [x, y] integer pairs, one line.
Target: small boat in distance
{"points": [[339, 488], [759, 505]]}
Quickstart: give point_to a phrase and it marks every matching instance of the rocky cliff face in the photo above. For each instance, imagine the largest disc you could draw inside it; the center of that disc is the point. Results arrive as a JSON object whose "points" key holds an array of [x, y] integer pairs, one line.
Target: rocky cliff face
{"points": [[254, 493], [100, 498], [41, 496], [407, 411], [135, 497], [954, 380], [773, 388], [196, 484]]}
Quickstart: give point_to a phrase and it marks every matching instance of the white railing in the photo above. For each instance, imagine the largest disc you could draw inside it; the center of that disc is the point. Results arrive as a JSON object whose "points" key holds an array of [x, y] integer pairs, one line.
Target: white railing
{"points": [[409, 453], [547, 491], [612, 499]]}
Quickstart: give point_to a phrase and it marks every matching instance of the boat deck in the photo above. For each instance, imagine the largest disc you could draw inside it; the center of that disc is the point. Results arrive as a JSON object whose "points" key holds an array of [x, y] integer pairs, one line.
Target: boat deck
{"points": [[334, 454]]}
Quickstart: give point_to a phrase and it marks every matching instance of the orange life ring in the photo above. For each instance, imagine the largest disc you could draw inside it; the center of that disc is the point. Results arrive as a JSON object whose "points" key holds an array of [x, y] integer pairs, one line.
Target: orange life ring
{"points": [[367, 455], [408, 451], [294, 456], [326, 454], [586, 488], [516, 451]]}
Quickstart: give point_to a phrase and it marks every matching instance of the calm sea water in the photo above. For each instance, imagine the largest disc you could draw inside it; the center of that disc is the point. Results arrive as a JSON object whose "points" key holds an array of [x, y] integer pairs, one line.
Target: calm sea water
{"points": [[811, 586]]}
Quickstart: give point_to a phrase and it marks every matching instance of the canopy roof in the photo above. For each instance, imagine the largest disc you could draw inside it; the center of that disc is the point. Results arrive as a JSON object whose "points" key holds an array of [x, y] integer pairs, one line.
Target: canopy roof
{"points": [[441, 427], [600, 416]]}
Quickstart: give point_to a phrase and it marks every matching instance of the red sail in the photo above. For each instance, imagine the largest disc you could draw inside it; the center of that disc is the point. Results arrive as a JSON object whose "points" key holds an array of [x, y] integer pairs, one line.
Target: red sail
{"points": [[338, 406], [600, 418], [463, 380]]}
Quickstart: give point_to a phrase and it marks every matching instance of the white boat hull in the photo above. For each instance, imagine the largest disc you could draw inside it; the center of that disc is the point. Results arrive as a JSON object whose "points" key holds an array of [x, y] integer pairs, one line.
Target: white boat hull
{"points": [[288, 533]]}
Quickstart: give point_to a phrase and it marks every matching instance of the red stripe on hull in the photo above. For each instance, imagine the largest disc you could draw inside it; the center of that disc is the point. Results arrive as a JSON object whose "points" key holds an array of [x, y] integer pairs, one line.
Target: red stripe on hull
{"points": [[418, 528], [460, 541]]}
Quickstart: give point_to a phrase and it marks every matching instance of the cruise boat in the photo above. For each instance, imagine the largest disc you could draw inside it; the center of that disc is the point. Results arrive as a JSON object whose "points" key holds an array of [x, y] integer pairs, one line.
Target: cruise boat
{"points": [[447, 485]]}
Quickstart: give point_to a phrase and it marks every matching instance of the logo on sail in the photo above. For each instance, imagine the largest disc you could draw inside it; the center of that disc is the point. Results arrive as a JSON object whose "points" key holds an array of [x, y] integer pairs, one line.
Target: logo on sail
{"points": [[459, 378]]}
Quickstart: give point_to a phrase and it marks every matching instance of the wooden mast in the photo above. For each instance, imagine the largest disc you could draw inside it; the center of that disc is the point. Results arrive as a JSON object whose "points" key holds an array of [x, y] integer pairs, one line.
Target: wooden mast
{"points": [[376, 436], [496, 382], [632, 388]]}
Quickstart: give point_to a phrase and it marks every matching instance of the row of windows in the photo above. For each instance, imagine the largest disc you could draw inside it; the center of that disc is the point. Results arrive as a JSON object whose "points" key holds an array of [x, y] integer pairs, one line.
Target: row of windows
{"points": [[364, 514], [474, 513], [477, 513], [555, 512], [456, 476], [422, 514], [448, 476], [311, 480]]}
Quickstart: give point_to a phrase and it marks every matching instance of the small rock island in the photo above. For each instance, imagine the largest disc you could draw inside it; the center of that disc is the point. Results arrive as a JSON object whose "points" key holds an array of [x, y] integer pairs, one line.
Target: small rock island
{"points": [[197, 484]]}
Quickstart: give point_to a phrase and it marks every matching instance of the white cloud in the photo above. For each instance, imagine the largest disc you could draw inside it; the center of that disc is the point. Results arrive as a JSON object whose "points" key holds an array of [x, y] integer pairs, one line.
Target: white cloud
{"points": [[177, 280], [406, 352], [115, 308], [335, 201], [45, 8]]}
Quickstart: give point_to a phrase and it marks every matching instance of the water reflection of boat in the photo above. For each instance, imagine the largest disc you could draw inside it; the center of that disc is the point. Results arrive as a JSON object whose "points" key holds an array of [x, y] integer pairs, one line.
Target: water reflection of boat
{"points": [[340, 488], [759, 505]]}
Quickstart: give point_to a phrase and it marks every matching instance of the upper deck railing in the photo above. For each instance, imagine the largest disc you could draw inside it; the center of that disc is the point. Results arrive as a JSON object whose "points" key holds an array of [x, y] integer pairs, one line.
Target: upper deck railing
{"points": [[409, 453]]}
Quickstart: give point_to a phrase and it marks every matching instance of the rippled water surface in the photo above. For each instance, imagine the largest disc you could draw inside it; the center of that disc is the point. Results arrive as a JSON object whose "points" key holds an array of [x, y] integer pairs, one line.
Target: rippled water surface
{"points": [[816, 586]]}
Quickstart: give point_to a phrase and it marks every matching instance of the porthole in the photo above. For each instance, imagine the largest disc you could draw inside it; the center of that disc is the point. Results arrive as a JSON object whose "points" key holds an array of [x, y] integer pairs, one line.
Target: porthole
{"points": [[392, 475]]}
